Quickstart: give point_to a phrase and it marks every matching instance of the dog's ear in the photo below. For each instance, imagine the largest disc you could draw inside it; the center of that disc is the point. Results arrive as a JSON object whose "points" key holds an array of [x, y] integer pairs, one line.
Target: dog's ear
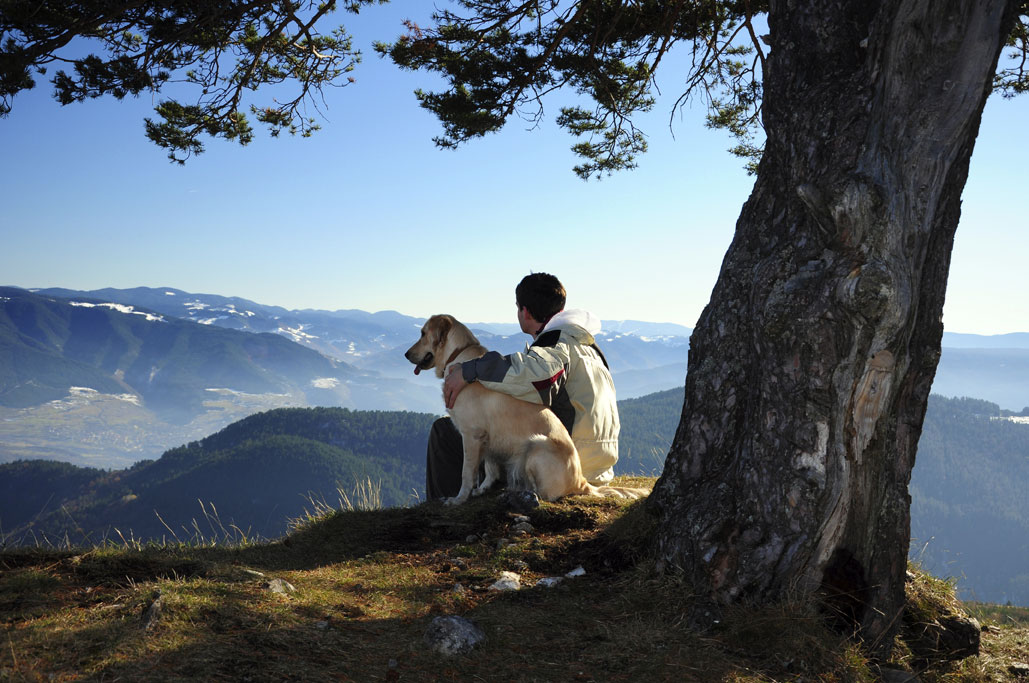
{"points": [[443, 326]]}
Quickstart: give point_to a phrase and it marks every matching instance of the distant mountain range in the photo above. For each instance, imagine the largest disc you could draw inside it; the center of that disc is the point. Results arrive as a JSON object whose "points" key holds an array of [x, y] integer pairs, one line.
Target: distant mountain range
{"points": [[107, 377], [167, 363], [373, 343], [354, 336]]}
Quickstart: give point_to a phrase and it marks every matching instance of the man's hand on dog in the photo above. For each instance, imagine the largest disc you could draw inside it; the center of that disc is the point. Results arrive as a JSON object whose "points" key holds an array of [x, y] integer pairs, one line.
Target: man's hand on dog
{"points": [[453, 385]]}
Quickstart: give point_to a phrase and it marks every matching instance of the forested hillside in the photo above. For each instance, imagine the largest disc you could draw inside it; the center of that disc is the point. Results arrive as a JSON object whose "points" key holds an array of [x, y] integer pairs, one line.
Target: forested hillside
{"points": [[648, 425], [970, 514], [261, 471], [970, 510], [258, 473]]}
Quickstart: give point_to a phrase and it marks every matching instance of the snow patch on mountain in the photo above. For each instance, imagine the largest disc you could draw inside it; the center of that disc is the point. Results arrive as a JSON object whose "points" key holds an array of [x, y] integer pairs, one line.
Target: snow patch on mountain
{"points": [[297, 333], [1017, 419], [78, 396], [229, 310], [121, 308], [232, 392]]}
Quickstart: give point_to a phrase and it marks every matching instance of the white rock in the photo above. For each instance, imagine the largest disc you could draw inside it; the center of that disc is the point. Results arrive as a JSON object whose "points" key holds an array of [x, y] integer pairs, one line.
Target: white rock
{"points": [[508, 581], [578, 571], [549, 581]]}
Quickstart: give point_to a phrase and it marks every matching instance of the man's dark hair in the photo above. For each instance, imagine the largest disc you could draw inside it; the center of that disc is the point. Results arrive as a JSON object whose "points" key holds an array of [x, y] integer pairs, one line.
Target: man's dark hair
{"points": [[541, 293]]}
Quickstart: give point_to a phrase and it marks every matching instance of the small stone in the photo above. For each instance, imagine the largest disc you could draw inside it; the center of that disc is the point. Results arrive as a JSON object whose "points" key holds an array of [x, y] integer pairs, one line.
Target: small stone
{"points": [[578, 571], [524, 527], [508, 581], [897, 676], [459, 589], [471, 538], [452, 635], [152, 612], [520, 501], [503, 543], [549, 581], [280, 586], [520, 565], [519, 519]]}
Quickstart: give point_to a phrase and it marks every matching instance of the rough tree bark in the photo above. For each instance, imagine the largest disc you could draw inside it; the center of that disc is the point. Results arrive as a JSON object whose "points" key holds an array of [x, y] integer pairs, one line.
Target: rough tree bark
{"points": [[810, 368]]}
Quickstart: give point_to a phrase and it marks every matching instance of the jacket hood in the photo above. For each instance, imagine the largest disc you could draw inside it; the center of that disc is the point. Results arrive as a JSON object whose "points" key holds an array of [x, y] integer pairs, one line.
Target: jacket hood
{"points": [[577, 317]]}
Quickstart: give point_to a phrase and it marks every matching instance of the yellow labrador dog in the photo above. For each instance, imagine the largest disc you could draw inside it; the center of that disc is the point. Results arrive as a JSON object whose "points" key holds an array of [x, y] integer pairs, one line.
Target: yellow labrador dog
{"points": [[526, 439]]}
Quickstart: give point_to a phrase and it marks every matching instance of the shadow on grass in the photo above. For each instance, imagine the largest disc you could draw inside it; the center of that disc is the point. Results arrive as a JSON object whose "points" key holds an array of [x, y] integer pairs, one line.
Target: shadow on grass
{"points": [[585, 630], [368, 586], [337, 537]]}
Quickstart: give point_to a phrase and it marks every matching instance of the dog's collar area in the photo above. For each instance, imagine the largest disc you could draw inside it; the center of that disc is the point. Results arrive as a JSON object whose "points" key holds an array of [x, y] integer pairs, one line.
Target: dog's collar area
{"points": [[456, 353]]}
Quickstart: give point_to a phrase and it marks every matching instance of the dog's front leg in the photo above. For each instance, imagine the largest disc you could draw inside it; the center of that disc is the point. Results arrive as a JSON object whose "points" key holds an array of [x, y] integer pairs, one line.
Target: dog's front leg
{"points": [[474, 446]]}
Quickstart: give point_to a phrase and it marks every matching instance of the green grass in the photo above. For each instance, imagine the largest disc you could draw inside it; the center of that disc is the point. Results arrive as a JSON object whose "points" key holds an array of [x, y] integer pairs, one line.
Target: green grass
{"points": [[999, 615], [368, 582]]}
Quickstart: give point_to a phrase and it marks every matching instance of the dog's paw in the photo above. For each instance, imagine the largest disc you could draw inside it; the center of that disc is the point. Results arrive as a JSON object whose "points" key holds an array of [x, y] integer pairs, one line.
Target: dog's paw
{"points": [[456, 500]]}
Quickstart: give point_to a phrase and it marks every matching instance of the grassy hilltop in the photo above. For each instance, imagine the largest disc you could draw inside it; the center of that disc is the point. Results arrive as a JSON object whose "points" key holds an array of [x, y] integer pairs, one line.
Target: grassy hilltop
{"points": [[368, 583]]}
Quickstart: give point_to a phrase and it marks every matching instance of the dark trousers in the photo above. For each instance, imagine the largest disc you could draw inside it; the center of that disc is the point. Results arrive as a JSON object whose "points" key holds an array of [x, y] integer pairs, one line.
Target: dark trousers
{"points": [[444, 459]]}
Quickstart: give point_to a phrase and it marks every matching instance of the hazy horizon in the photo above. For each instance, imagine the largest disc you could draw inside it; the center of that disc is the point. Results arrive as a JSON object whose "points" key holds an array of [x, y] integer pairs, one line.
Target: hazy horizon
{"points": [[511, 323]]}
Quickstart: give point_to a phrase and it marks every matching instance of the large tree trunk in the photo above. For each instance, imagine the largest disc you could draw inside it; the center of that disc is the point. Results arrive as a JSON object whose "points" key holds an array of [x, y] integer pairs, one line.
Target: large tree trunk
{"points": [[810, 368]]}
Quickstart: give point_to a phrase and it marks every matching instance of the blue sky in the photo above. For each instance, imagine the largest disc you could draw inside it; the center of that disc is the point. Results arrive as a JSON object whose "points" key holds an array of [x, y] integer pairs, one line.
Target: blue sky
{"points": [[369, 214]]}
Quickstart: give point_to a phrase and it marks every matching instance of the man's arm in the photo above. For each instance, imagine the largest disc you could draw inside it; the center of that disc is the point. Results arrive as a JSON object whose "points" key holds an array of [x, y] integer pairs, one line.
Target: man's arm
{"points": [[532, 376]]}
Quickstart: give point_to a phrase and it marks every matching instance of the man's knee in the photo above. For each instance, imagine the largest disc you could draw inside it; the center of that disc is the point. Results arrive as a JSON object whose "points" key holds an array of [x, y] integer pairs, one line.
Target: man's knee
{"points": [[444, 436], [444, 459]]}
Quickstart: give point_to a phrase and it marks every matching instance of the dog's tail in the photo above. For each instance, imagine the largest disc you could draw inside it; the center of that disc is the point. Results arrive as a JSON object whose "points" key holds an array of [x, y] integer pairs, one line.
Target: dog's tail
{"points": [[606, 491]]}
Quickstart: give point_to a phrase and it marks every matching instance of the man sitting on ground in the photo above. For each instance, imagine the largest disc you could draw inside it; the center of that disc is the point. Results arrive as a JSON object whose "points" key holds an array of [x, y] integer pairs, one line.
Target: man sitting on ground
{"points": [[562, 369]]}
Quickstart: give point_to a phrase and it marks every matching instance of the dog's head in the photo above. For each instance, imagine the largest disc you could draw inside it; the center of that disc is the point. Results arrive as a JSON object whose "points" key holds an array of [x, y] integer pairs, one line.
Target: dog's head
{"points": [[433, 347]]}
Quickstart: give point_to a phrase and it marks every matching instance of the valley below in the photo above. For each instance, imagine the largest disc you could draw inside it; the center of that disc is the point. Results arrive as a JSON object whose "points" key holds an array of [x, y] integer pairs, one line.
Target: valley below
{"points": [[108, 431]]}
